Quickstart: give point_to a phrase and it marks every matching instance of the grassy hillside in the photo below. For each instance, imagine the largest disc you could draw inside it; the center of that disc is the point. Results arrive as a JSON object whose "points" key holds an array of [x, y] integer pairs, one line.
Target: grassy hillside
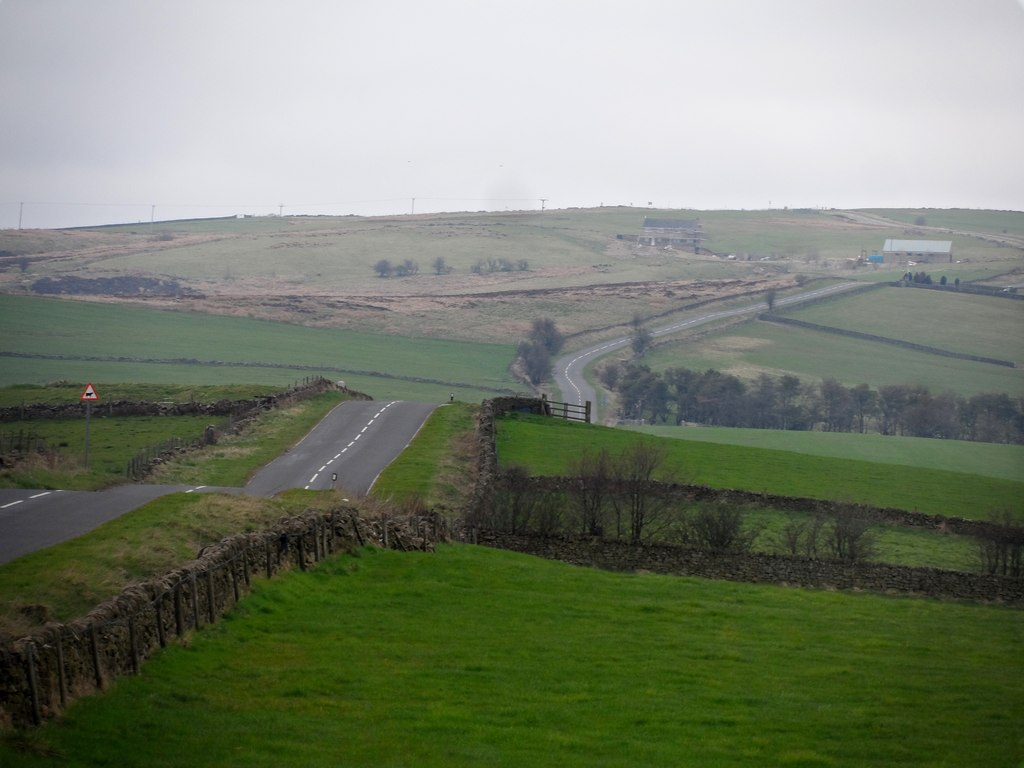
{"points": [[471, 656]]}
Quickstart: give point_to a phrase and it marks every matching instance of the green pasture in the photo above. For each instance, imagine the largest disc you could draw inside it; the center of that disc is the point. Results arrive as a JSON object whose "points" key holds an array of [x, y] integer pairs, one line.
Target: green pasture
{"points": [[958, 322], [470, 656], [755, 347], [986, 459], [74, 329], [547, 446]]}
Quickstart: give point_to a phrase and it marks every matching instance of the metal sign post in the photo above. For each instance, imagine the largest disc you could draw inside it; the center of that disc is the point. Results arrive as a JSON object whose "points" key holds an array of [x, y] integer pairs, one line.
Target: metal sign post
{"points": [[89, 397]]}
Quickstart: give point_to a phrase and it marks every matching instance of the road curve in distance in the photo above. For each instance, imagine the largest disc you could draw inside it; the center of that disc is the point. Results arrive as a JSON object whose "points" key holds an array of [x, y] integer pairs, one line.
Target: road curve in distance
{"points": [[568, 369]]}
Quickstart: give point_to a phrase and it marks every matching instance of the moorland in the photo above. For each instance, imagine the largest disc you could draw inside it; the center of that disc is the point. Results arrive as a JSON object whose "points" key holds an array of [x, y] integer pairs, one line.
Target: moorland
{"points": [[576, 666]]}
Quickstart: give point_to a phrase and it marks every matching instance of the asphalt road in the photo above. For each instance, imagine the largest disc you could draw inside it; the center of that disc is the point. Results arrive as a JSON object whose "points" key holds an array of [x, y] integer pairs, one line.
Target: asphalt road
{"points": [[568, 370], [356, 441]]}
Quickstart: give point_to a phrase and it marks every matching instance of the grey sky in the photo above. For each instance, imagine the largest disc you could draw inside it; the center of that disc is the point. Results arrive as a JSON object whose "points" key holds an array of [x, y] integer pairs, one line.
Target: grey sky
{"points": [[215, 107]]}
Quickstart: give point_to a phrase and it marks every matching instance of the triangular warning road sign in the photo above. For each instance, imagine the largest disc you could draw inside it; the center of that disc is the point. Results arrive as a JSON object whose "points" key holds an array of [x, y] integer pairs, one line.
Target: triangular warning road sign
{"points": [[90, 393]]}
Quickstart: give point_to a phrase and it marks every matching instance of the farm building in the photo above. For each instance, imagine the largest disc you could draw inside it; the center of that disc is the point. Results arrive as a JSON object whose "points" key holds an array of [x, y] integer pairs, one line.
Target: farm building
{"points": [[676, 233], [898, 251]]}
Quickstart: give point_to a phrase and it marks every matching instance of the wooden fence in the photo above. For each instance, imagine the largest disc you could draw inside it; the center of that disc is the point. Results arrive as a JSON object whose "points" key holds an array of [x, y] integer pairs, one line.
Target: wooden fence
{"points": [[571, 411]]}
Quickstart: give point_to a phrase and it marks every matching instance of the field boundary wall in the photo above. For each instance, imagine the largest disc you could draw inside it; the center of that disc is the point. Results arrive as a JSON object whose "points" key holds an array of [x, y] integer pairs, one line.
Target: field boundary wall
{"points": [[221, 408], [773, 318], [787, 570], [42, 673], [759, 568]]}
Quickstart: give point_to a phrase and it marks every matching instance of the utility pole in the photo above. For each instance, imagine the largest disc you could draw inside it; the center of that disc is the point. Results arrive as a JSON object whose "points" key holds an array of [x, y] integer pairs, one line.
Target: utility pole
{"points": [[280, 209], [543, 200], [152, 213], [21, 210], [412, 209]]}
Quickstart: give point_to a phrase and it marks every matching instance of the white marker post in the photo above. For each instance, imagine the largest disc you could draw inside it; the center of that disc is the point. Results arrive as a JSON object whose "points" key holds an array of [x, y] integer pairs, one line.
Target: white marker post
{"points": [[89, 397]]}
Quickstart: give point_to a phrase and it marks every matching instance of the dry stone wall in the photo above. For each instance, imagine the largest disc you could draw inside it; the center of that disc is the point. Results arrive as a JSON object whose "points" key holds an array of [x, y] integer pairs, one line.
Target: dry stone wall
{"points": [[761, 568], [40, 674], [754, 567]]}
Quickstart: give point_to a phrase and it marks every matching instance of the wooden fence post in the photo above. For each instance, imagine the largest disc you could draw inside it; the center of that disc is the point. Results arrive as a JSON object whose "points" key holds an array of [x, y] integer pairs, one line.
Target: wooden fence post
{"points": [[209, 596], [179, 617], [62, 673], [33, 682], [95, 645], [196, 621], [133, 645], [159, 608], [233, 565]]}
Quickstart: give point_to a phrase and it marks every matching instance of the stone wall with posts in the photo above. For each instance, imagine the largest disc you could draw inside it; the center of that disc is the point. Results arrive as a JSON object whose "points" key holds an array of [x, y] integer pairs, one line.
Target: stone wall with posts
{"points": [[40, 674]]}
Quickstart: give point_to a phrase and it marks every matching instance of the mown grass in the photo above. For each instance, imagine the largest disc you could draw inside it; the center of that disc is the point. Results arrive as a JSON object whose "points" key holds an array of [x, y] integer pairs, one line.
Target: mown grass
{"points": [[988, 459], [433, 469], [546, 447], [471, 656]]}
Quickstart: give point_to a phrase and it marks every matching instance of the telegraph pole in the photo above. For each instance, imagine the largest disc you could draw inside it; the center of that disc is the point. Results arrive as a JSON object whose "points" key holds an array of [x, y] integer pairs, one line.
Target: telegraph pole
{"points": [[21, 210], [412, 208], [543, 200]]}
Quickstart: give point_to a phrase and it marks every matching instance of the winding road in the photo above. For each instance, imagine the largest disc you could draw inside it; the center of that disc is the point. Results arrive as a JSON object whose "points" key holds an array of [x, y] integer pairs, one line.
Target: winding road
{"points": [[568, 370], [354, 442]]}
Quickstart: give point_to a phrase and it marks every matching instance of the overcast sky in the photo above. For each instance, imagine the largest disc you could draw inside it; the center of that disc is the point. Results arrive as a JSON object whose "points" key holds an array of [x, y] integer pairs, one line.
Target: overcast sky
{"points": [[121, 110]]}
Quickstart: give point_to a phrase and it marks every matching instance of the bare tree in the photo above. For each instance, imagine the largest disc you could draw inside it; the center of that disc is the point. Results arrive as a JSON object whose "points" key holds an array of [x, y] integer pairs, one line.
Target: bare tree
{"points": [[849, 536], [719, 527], [590, 487], [632, 499], [441, 266], [1002, 548], [383, 268]]}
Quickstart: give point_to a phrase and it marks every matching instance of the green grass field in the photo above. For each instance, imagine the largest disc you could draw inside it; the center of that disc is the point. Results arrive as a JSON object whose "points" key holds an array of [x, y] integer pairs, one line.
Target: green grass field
{"points": [[72, 328], [959, 322], [986, 459], [471, 657], [546, 447], [749, 349]]}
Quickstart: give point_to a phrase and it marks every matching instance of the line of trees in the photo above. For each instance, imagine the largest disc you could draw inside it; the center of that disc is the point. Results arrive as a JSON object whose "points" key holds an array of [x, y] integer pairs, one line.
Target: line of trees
{"points": [[711, 397]]}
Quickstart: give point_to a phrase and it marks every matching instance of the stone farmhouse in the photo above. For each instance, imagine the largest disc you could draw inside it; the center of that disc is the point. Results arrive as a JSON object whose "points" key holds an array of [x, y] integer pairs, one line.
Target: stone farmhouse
{"points": [[919, 251], [671, 233]]}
